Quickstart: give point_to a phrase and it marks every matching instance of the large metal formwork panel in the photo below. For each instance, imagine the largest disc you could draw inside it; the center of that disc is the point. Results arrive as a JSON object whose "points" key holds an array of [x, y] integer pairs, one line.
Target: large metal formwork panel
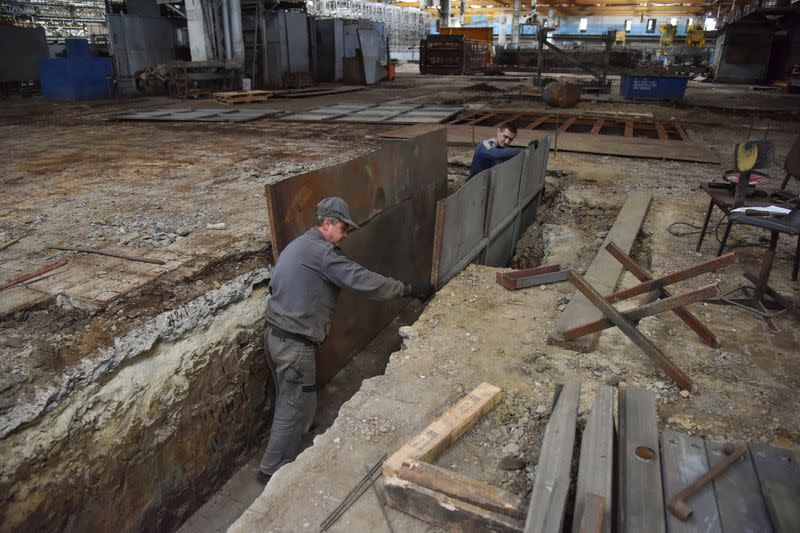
{"points": [[503, 199], [392, 193], [483, 219]]}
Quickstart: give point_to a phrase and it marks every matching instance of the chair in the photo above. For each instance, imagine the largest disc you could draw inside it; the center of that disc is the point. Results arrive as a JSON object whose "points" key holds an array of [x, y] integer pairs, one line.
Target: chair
{"points": [[789, 224], [726, 200]]}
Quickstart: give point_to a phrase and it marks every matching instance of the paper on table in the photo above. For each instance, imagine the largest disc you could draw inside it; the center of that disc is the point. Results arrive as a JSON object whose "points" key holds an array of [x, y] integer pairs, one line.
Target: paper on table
{"points": [[774, 209]]}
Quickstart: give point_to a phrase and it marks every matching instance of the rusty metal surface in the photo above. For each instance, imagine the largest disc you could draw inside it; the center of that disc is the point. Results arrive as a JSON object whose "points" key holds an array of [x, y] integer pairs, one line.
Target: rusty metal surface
{"points": [[392, 193]]}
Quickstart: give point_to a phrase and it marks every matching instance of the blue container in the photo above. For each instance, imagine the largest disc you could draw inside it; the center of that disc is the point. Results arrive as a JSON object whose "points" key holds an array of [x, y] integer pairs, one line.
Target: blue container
{"points": [[652, 87], [80, 76]]}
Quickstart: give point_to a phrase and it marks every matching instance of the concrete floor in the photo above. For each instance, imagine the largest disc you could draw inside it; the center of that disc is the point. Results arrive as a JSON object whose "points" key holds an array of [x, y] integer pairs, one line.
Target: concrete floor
{"points": [[74, 177]]}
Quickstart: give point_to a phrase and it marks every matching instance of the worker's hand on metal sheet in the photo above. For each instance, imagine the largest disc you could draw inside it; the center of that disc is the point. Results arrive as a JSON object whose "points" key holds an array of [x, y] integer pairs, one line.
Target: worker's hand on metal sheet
{"points": [[534, 144], [421, 291]]}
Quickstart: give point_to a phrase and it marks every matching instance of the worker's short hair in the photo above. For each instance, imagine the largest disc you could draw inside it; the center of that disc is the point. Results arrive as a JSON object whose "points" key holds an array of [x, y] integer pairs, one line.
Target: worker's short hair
{"points": [[508, 125], [318, 220]]}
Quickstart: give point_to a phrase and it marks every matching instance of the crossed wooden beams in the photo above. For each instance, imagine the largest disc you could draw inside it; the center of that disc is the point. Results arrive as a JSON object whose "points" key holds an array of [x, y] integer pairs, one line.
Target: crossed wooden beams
{"points": [[658, 300]]}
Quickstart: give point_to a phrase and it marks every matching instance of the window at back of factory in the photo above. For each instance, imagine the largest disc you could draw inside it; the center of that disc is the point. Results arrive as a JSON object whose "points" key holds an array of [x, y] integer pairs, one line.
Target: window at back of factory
{"points": [[628, 26], [651, 26], [583, 25]]}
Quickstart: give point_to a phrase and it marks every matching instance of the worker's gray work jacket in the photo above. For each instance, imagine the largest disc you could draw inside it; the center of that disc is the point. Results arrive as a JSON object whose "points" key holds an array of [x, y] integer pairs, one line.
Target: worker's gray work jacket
{"points": [[306, 282]]}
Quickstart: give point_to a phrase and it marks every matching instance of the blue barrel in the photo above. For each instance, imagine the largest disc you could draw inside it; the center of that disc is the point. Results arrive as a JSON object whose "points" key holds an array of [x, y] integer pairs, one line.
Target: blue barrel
{"points": [[652, 87]]}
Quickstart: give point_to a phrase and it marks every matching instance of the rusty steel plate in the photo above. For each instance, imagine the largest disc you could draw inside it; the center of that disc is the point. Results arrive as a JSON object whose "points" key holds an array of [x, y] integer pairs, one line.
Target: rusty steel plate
{"points": [[392, 194]]}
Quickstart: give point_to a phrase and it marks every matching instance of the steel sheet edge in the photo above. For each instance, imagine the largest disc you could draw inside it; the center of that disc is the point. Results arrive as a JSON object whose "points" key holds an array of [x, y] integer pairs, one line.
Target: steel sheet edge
{"points": [[392, 193]]}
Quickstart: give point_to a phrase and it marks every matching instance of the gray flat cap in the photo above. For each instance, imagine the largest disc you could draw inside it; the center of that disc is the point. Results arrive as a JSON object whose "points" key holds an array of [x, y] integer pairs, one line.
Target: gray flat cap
{"points": [[335, 207]]}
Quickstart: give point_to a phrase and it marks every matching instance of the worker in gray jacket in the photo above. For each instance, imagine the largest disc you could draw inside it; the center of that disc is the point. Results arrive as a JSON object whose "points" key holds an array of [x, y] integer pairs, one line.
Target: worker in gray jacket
{"points": [[304, 287]]}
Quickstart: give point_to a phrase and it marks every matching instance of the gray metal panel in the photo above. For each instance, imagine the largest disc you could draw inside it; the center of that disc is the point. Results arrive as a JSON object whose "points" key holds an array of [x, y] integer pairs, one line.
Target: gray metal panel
{"points": [[501, 248], [463, 223], [297, 42], [199, 115], [138, 42], [505, 189], [29, 45], [372, 51], [338, 41], [350, 33]]}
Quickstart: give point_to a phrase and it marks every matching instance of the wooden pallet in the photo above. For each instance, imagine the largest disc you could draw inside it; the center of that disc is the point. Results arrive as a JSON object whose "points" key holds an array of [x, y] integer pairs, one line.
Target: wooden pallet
{"points": [[242, 97]]}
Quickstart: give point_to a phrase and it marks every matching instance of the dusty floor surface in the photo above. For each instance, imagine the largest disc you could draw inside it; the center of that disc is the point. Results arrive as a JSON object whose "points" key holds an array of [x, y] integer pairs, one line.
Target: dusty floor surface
{"points": [[158, 189]]}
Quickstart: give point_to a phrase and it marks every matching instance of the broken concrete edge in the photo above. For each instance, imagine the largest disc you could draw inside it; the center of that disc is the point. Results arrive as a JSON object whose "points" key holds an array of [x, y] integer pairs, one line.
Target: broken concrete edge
{"points": [[166, 326]]}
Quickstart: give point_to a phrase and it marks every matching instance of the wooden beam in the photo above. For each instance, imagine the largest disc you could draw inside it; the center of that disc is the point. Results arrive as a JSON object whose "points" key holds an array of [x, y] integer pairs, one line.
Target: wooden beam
{"points": [[650, 349], [604, 271], [444, 511], [662, 134], [694, 323], [683, 460], [629, 128], [641, 498], [596, 467], [464, 488], [598, 125], [549, 496], [565, 126], [445, 429], [681, 131], [671, 303], [674, 277], [538, 121], [592, 518]]}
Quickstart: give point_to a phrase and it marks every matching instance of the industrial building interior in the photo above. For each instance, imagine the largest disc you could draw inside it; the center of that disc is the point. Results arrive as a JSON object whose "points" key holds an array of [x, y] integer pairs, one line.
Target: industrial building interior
{"points": [[613, 341]]}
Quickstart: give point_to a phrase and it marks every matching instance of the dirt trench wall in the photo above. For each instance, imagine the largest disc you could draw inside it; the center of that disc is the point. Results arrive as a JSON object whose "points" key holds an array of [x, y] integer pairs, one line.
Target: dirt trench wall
{"points": [[140, 446]]}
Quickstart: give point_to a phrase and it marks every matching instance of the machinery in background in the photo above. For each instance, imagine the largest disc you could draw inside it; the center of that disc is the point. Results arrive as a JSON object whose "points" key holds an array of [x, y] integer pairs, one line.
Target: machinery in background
{"points": [[456, 51]]}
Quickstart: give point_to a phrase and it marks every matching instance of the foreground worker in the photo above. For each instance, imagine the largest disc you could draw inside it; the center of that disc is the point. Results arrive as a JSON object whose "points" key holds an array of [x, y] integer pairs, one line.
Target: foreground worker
{"points": [[496, 150], [304, 287]]}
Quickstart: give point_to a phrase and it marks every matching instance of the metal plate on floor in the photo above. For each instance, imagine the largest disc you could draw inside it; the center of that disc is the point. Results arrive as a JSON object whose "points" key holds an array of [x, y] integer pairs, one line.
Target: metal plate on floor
{"points": [[390, 112], [199, 115]]}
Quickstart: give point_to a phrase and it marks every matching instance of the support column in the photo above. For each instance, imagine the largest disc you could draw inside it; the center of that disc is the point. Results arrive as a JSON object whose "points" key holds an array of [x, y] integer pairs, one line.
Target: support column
{"points": [[237, 36], [198, 43], [226, 29], [501, 34], [444, 12], [515, 24]]}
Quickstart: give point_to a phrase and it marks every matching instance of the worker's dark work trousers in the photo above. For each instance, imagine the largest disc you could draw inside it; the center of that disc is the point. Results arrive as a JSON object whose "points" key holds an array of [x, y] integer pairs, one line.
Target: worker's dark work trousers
{"points": [[294, 370]]}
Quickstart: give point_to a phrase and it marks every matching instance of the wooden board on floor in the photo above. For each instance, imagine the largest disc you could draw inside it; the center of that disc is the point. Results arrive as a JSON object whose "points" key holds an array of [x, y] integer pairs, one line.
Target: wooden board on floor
{"points": [[549, 495], [444, 511], [596, 467], [603, 273], [641, 498], [779, 477], [741, 506], [445, 429], [464, 488], [574, 142], [683, 460]]}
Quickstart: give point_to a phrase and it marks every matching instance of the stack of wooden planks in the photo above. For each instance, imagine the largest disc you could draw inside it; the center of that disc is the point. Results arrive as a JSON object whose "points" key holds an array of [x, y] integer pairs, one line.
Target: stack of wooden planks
{"points": [[242, 97]]}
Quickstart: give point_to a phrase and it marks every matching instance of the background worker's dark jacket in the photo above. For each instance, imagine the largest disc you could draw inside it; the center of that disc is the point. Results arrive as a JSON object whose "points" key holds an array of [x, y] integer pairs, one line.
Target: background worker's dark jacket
{"points": [[306, 282], [488, 154]]}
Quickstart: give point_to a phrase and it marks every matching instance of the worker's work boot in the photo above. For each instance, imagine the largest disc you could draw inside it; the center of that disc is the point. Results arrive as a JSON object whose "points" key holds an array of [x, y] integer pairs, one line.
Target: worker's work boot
{"points": [[263, 478]]}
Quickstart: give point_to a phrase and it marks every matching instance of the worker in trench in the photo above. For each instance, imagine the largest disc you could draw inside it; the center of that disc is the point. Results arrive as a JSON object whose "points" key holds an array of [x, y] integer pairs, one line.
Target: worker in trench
{"points": [[304, 288], [494, 151]]}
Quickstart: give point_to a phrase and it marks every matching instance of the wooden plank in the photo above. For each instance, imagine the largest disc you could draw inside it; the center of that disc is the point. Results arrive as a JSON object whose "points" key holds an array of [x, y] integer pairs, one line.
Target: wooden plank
{"points": [[446, 429], [625, 326], [564, 127], [479, 118], [534, 281], [662, 134], [641, 499], [604, 272], [598, 125], [592, 518], [549, 496], [741, 506], [706, 335], [629, 128], [779, 477], [531, 126], [445, 511], [596, 467], [460, 135], [683, 460], [464, 488]]}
